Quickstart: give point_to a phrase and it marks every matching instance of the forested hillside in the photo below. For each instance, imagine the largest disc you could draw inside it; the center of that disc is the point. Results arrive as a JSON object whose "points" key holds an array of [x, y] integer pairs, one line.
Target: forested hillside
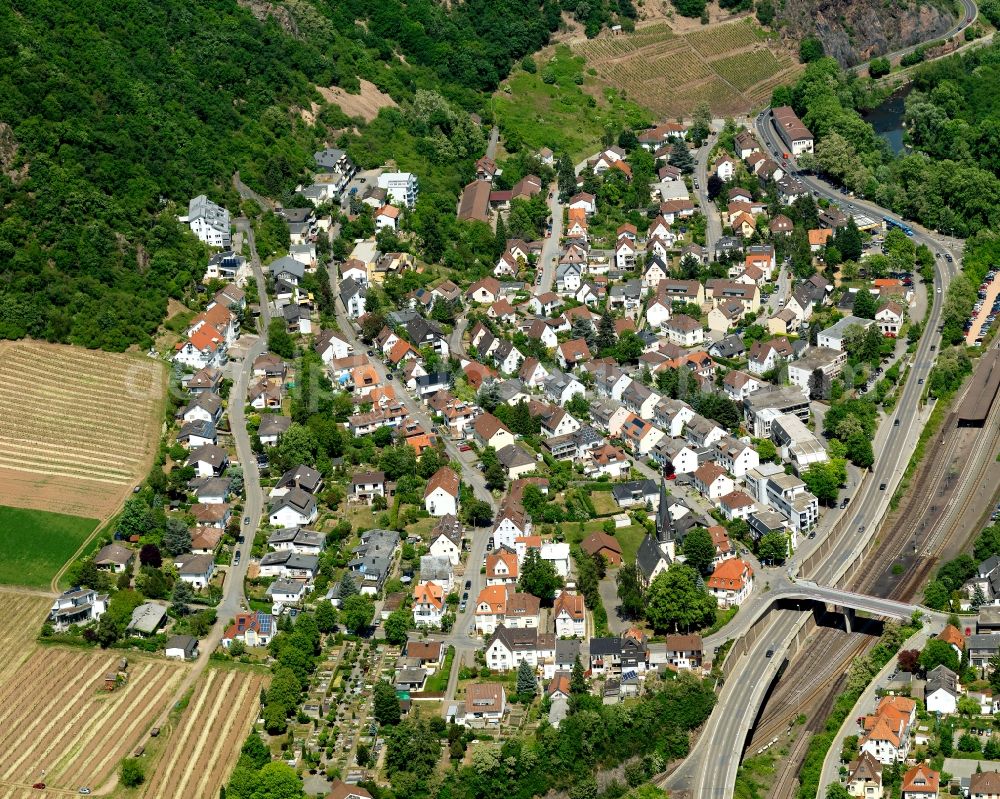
{"points": [[113, 114], [951, 180]]}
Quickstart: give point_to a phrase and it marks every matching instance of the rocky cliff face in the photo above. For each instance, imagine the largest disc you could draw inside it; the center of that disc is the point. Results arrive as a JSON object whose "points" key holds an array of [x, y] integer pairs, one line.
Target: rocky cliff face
{"points": [[857, 30]]}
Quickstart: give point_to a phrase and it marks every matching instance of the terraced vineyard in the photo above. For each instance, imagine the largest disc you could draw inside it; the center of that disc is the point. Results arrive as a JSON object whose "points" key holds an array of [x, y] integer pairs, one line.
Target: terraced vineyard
{"points": [[206, 743], [732, 66], [78, 427]]}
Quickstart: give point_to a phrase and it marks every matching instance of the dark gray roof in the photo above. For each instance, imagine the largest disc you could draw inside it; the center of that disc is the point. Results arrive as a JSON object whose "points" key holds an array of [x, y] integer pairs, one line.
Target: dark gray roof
{"points": [[648, 556], [729, 347], [633, 488], [605, 646], [351, 287]]}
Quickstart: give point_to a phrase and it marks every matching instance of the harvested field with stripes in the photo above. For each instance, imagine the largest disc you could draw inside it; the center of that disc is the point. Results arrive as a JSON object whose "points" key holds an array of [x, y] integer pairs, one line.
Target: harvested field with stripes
{"points": [[56, 716], [79, 427], [204, 746], [733, 66]]}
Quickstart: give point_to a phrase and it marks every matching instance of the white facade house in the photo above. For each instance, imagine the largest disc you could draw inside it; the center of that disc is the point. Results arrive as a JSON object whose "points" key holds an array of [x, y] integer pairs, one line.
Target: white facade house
{"points": [[401, 187], [441, 494], [209, 222], [569, 615]]}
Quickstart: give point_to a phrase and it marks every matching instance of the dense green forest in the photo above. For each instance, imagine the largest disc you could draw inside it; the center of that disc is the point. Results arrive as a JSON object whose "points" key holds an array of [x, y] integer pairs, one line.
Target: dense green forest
{"points": [[114, 114], [951, 179]]}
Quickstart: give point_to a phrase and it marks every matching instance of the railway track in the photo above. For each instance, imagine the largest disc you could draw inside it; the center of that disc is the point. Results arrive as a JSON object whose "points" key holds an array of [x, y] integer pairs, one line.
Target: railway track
{"points": [[926, 524], [787, 702]]}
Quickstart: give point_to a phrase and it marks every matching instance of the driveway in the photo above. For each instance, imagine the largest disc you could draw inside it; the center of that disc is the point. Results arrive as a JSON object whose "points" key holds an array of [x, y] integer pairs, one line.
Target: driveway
{"points": [[609, 598]]}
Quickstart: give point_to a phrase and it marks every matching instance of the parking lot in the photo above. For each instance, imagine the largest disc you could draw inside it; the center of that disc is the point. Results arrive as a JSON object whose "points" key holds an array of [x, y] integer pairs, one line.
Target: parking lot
{"points": [[984, 311]]}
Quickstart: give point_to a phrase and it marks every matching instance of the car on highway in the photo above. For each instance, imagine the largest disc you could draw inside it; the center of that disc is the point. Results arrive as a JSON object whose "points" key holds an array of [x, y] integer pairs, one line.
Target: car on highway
{"points": [[881, 486], [246, 520], [895, 423], [920, 382], [861, 529], [948, 258], [769, 653]]}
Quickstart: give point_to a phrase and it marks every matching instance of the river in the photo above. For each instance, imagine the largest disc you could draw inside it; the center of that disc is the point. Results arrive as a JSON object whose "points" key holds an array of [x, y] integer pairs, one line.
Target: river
{"points": [[887, 119]]}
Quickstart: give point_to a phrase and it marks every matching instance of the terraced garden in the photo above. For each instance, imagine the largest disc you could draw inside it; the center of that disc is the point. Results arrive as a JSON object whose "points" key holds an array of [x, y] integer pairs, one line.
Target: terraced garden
{"points": [[79, 427], [732, 66]]}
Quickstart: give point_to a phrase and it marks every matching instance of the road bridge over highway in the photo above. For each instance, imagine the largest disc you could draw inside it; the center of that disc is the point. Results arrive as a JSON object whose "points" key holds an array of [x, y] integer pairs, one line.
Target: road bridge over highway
{"points": [[838, 597]]}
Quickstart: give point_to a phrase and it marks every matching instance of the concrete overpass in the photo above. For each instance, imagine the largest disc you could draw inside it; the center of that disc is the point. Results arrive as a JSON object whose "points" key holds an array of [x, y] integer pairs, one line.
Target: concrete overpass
{"points": [[849, 600]]}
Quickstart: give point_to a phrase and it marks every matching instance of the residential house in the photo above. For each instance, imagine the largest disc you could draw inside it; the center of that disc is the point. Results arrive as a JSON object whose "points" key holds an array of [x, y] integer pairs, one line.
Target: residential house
{"points": [[922, 782], [446, 539], [294, 509], [77, 606], [738, 385], [731, 582], [605, 545], [114, 557], [984, 785], [886, 733], [428, 605], [441, 493], [196, 570], [365, 486], [711, 480], [684, 331], [864, 777], [507, 647], [489, 431], [735, 456], [685, 651], [209, 222], [942, 691], [573, 353], [484, 706], [373, 559], [767, 355], [290, 565], [208, 460], [569, 615], [502, 567], [252, 629], [516, 461], [889, 318], [353, 294]]}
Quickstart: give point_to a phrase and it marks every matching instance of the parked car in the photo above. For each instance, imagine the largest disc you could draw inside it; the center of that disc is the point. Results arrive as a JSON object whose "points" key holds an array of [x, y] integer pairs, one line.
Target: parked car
{"points": [[246, 520]]}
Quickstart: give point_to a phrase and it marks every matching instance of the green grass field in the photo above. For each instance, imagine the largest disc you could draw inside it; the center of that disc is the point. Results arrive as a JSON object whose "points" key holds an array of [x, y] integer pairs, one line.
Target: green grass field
{"points": [[34, 544], [561, 115]]}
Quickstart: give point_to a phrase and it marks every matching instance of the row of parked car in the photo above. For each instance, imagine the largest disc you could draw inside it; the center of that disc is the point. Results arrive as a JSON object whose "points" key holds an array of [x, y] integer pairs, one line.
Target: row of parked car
{"points": [[978, 308]]}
